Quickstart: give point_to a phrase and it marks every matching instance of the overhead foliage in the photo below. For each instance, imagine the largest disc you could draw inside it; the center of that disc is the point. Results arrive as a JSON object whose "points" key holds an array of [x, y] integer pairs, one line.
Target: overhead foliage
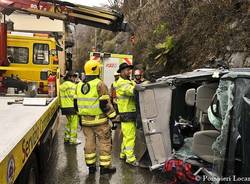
{"points": [[173, 36]]}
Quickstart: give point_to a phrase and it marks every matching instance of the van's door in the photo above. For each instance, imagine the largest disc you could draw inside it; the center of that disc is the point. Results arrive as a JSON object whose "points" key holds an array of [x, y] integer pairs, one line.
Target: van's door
{"points": [[155, 107]]}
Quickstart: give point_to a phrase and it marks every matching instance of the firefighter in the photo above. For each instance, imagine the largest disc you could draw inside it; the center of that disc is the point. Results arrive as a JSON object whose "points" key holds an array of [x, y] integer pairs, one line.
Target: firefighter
{"points": [[95, 109], [138, 74], [67, 94], [127, 111]]}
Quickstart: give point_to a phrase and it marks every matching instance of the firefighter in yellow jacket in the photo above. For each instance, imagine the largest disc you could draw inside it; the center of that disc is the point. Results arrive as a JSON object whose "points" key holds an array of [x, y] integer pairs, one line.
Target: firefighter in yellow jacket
{"points": [[127, 111], [67, 94], [95, 109]]}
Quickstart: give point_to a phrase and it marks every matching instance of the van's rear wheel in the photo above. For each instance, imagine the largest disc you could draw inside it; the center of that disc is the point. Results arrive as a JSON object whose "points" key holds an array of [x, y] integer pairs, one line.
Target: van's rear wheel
{"points": [[29, 174]]}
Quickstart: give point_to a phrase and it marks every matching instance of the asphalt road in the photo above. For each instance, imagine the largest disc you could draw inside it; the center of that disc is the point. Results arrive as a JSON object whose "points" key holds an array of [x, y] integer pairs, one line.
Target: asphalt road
{"points": [[67, 166]]}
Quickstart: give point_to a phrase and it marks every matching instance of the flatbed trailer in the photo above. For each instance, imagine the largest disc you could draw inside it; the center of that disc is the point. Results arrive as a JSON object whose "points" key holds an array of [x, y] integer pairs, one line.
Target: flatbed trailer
{"points": [[23, 130]]}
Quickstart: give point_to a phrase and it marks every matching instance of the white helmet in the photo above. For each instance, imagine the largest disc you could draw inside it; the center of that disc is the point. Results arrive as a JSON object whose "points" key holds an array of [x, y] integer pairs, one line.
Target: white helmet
{"points": [[137, 72]]}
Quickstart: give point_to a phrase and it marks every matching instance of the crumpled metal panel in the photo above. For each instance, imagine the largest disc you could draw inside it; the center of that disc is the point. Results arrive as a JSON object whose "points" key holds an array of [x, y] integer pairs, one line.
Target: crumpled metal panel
{"points": [[155, 108]]}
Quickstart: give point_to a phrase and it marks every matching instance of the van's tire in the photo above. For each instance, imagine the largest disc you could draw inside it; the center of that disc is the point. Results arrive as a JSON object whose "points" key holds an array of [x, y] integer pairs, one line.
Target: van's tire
{"points": [[30, 173]]}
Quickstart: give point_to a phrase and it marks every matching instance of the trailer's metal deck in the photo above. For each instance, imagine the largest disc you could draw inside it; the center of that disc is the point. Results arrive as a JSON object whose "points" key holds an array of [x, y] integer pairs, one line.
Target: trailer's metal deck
{"points": [[15, 121], [20, 130]]}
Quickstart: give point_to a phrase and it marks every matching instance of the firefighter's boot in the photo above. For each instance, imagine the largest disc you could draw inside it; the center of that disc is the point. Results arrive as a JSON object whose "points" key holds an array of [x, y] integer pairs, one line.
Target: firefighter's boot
{"points": [[92, 169], [107, 170]]}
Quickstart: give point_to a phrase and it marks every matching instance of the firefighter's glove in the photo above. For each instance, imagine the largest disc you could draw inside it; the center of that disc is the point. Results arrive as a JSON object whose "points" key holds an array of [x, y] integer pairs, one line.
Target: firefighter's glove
{"points": [[115, 121], [104, 105], [139, 87]]}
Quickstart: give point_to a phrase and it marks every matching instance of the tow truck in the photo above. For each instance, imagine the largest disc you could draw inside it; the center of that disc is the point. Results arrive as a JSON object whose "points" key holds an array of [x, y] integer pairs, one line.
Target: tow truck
{"points": [[28, 125]]}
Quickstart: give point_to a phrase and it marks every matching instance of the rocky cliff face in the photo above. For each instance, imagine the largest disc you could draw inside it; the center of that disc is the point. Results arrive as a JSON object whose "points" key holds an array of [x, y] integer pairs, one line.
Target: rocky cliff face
{"points": [[173, 36], [203, 33]]}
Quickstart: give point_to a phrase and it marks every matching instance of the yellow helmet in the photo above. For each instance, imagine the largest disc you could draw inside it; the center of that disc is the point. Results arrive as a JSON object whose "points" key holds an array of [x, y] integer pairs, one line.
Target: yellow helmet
{"points": [[92, 67]]}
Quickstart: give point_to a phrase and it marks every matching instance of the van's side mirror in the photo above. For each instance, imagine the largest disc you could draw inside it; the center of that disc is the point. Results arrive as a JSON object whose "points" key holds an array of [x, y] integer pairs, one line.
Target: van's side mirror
{"points": [[190, 97]]}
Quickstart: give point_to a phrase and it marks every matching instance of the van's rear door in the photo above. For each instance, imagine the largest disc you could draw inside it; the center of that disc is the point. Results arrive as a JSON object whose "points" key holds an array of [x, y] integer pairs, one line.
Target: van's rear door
{"points": [[155, 107]]}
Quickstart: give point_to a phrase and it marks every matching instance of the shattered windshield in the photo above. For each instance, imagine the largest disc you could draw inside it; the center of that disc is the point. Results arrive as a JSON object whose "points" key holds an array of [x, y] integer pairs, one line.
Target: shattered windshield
{"points": [[224, 107]]}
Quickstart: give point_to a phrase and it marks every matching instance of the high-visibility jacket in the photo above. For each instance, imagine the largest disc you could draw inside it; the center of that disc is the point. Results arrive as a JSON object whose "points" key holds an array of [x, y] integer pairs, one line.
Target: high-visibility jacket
{"points": [[115, 84], [89, 104], [125, 99], [67, 94]]}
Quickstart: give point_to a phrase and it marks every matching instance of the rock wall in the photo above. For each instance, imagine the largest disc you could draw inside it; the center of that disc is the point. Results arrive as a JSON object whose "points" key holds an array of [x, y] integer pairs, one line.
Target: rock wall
{"points": [[173, 36]]}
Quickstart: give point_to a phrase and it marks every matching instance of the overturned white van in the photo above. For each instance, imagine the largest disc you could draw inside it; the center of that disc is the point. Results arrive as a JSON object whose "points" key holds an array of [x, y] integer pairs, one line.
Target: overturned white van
{"points": [[202, 118]]}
